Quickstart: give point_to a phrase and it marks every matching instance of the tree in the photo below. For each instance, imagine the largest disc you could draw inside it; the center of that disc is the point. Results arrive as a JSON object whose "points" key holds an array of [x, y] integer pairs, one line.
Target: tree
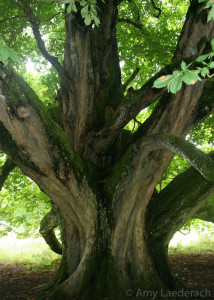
{"points": [[102, 178]]}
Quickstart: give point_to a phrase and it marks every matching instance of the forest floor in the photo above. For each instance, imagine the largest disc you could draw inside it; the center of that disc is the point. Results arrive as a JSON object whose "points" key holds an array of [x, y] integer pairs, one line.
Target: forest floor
{"points": [[195, 270]]}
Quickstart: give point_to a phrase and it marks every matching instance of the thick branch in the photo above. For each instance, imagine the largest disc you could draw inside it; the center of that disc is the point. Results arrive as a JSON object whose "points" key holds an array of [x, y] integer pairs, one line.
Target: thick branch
{"points": [[203, 163], [137, 152], [205, 213], [20, 110], [183, 198], [5, 171], [134, 102], [41, 149]]}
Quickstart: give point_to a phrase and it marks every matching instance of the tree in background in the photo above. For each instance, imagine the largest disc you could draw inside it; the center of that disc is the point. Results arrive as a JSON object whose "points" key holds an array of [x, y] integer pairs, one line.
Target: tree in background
{"points": [[72, 143]]}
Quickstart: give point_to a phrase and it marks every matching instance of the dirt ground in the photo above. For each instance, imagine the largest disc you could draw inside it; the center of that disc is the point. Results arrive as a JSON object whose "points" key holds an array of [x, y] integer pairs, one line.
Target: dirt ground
{"points": [[195, 270]]}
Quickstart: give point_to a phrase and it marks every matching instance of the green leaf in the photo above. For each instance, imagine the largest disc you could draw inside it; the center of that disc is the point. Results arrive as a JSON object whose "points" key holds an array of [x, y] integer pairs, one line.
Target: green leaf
{"points": [[209, 4], [190, 77], [83, 3], [92, 2], [175, 84], [87, 20], [183, 65], [200, 1], [162, 81], [4, 52], [204, 72], [211, 14], [74, 8], [13, 56], [212, 44], [69, 8], [211, 65], [202, 57], [176, 72], [84, 11], [96, 21]]}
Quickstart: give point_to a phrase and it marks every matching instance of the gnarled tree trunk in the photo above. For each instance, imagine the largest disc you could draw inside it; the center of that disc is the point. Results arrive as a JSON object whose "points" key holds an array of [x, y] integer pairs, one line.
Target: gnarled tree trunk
{"points": [[102, 183]]}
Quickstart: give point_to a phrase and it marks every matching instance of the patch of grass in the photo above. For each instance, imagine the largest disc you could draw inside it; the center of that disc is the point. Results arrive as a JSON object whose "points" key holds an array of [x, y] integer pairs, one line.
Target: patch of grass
{"points": [[34, 253], [200, 243]]}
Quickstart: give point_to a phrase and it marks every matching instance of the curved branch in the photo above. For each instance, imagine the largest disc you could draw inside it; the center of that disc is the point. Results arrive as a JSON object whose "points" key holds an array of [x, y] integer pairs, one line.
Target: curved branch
{"points": [[203, 163], [157, 8], [35, 23], [5, 171], [186, 193], [47, 225]]}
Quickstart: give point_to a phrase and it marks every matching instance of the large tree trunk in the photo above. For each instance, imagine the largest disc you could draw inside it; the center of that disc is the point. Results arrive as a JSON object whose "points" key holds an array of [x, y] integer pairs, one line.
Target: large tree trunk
{"points": [[102, 185]]}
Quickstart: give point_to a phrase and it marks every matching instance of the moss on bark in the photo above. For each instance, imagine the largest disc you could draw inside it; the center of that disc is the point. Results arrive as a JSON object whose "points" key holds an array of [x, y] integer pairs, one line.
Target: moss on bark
{"points": [[100, 279]]}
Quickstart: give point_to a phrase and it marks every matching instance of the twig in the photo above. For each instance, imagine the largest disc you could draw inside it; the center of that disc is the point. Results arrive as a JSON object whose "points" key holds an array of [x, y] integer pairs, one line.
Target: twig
{"points": [[157, 8], [137, 25], [59, 13], [16, 3], [14, 34], [15, 188], [11, 228], [12, 18]]}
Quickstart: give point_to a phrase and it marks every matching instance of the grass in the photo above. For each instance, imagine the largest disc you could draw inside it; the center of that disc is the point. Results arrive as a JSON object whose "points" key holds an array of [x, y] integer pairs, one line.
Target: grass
{"points": [[34, 253], [192, 242]]}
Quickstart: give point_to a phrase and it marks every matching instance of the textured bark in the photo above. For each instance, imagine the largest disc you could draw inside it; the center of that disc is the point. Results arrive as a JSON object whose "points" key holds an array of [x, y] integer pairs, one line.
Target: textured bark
{"points": [[206, 213], [101, 183]]}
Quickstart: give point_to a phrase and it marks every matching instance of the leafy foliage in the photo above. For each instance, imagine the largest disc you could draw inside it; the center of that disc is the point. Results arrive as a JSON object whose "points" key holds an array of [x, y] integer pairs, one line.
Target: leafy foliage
{"points": [[7, 54], [209, 4], [88, 10], [22, 205], [186, 75], [151, 46]]}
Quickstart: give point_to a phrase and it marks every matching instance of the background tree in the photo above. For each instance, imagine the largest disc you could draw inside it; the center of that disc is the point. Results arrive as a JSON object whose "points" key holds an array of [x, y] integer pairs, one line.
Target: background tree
{"points": [[74, 146]]}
